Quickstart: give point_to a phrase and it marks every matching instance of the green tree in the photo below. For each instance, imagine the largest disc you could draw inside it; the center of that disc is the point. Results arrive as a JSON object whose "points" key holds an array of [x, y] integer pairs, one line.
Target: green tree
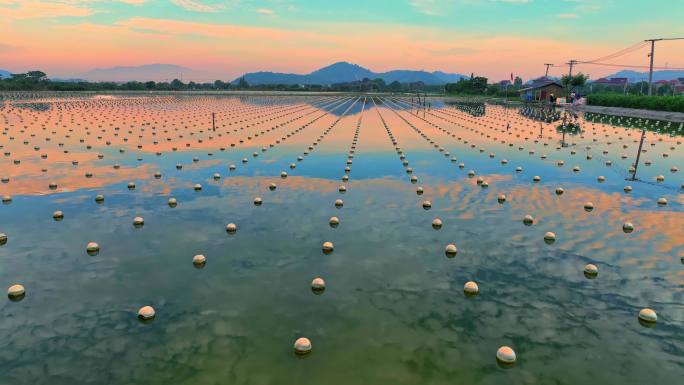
{"points": [[517, 84], [242, 84]]}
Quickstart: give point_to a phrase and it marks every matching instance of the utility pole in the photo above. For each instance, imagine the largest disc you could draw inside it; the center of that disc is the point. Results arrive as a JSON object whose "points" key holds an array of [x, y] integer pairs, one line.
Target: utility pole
{"points": [[650, 77], [650, 70], [571, 63], [547, 69]]}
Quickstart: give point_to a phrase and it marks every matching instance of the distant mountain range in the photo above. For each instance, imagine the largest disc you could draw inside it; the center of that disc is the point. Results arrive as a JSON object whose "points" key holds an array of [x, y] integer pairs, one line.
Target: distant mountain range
{"points": [[634, 76], [156, 72], [341, 72], [5, 74]]}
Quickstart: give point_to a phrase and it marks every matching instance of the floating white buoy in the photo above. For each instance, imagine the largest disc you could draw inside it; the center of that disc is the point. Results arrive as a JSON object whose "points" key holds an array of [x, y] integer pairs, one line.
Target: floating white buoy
{"points": [[590, 270], [451, 250], [628, 189], [628, 227], [257, 201], [58, 215], [302, 346], [528, 220], [518, 169], [427, 205], [138, 221], [414, 179], [3, 239], [217, 176], [334, 222], [146, 313], [662, 201], [601, 179], [648, 315], [93, 248], [506, 355], [588, 206], [283, 175], [197, 187], [660, 178], [339, 203], [16, 291], [272, 186], [231, 228], [536, 178], [131, 185], [342, 189], [327, 247], [501, 198], [470, 288], [549, 237], [157, 175], [419, 191], [318, 285], [172, 202], [7, 199], [199, 260], [436, 223]]}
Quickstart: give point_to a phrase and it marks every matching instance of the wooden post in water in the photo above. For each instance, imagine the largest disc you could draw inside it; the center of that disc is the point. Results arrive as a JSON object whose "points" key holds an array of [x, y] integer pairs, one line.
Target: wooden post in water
{"points": [[641, 143], [213, 121]]}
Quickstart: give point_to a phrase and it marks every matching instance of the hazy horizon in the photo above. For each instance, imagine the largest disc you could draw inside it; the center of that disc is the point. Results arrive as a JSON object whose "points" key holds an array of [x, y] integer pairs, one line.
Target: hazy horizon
{"points": [[224, 39]]}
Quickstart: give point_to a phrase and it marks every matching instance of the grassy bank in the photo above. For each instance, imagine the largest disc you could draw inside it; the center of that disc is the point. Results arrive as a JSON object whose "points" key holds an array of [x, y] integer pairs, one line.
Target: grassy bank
{"points": [[656, 103]]}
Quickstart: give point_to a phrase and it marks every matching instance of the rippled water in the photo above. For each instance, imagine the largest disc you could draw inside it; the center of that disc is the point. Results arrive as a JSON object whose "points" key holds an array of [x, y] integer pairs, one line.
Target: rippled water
{"points": [[394, 311]]}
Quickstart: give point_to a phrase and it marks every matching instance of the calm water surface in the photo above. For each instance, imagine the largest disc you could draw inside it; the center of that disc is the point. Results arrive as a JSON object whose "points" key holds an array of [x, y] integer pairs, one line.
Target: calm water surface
{"points": [[394, 311]]}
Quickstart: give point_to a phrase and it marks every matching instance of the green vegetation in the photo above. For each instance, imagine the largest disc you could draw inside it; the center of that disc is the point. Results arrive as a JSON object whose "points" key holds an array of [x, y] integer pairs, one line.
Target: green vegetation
{"points": [[38, 81], [659, 126], [657, 103], [573, 82], [476, 85]]}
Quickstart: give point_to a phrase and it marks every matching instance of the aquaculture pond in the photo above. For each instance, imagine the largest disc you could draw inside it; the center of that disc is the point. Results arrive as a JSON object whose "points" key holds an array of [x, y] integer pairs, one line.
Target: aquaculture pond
{"points": [[336, 239]]}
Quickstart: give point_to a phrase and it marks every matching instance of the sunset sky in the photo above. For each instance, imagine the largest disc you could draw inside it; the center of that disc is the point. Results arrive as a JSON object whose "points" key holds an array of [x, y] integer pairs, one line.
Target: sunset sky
{"points": [[223, 39]]}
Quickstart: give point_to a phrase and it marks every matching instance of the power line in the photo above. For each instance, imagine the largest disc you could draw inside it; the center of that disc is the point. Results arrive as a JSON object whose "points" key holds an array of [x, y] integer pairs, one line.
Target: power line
{"points": [[632, 66]]}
